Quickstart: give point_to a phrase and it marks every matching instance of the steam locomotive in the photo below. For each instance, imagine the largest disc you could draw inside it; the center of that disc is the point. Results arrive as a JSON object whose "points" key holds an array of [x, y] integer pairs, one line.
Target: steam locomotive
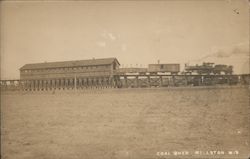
{"points": [[209, 68]]}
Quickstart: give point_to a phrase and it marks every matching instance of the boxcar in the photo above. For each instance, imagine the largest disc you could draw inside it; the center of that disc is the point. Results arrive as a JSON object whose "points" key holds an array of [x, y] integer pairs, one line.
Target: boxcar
{"points": [[164, 68]]}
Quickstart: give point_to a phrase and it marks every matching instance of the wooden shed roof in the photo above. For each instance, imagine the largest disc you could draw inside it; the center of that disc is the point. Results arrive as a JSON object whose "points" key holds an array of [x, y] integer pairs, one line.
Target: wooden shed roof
{"points": [[89, 62]]}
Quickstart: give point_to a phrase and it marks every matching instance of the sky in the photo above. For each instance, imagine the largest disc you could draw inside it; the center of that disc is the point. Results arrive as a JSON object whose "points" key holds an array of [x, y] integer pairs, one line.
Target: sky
{"points": [[137, 33]]}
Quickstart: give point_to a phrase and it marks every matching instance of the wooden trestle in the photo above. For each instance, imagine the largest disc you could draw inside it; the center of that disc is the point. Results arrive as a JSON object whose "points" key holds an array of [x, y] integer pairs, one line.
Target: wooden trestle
{"points": [[123, 81]]}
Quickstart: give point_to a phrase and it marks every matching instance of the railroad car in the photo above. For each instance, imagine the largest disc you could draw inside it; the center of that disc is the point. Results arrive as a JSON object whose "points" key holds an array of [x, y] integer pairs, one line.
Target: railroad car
{"points": [[164, 68], [218, 69], [132, 70]]}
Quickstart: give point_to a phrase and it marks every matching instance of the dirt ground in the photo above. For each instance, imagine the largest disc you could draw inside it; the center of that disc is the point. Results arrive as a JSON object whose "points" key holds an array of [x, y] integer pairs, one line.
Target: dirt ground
{"points": [[125, 123]]}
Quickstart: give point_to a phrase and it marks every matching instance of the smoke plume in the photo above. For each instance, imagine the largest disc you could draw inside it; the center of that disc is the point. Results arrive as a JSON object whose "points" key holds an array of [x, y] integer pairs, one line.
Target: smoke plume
{"points": [[241, 49]]}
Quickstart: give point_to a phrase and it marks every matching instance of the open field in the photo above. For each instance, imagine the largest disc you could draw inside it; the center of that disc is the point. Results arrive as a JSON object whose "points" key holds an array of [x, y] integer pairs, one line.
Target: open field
{"points": [[125, 123]]}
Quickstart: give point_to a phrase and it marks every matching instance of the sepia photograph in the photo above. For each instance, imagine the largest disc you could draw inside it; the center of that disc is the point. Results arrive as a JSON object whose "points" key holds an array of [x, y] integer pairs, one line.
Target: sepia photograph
{"points": [[125, 79]]}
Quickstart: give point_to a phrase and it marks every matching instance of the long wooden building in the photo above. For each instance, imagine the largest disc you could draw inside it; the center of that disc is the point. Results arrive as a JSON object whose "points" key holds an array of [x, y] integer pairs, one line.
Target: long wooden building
{"points": [[69, 74]]}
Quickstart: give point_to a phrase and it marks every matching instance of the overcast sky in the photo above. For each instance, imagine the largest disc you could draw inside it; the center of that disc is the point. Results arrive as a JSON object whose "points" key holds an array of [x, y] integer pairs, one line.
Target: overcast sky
{"points": [[135, 32]]}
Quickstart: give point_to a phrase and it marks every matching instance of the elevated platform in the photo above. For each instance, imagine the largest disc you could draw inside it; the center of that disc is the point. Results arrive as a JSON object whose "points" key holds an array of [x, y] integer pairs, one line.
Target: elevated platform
{"points": [[125, 81]]}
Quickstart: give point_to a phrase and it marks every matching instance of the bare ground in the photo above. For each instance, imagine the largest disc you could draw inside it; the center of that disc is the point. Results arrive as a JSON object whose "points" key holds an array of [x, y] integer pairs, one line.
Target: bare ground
{"points": [[124, 123]]}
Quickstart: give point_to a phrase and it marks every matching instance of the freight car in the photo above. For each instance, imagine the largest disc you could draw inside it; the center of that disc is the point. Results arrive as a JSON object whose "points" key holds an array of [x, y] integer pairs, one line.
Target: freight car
{"points": [[133, 70], [164, 68]]}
